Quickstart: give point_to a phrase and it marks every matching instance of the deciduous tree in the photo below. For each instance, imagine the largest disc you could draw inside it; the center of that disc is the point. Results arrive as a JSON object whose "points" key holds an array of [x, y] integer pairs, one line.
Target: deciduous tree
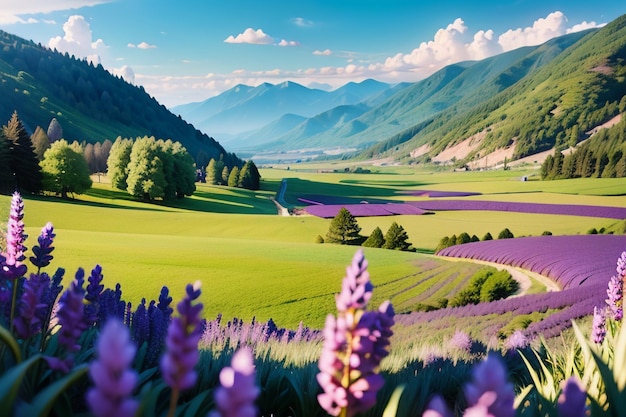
{"points": [[65, 170], [117, 163]]}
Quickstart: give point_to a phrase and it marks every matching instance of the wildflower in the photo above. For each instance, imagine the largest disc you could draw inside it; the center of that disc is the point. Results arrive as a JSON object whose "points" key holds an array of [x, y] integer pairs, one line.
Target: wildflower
{"points": [[92, 296], [461, 341], [599, 325], [621, 265], [72, 322], [437, 408], [615, 292], [11, 259], [489, 390], [517, 340], [181, 356], [354, 344], [27, 323], [237, 393], [113, 377], [43, 251], [572, 401]]}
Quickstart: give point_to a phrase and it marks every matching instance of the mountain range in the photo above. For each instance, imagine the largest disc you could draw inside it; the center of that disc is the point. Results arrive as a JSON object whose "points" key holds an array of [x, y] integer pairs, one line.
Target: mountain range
{"points": [[511, 105]]}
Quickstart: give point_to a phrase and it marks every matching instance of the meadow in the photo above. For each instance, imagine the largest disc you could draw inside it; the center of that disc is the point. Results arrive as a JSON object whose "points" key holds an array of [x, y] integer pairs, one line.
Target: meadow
{"points": [[255, 263]]}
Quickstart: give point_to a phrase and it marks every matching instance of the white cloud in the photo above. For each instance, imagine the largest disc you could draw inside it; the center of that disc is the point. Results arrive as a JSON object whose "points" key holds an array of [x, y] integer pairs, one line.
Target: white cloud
{"points": [[126, 73], [302, 22], [325, 52], [584, 26], [542, 30], [252, 36], [142, 45], [13, 12], [288, 43], [77, 40]]}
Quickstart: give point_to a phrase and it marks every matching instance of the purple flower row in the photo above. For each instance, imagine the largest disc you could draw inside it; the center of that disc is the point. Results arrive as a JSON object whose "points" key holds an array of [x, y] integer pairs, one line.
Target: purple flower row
{"points": [[570, 261], [364, 210], [519, 207], [439, 194]]}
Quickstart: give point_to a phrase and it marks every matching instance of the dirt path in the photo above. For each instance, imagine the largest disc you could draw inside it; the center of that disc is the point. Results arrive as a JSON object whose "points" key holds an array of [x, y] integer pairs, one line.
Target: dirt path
{"points": [[522, 276]]}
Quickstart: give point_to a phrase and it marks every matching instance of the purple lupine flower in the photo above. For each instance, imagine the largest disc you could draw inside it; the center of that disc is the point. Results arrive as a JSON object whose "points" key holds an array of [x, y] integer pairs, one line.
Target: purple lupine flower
{"points": [[354, 344], [598, 331], [111, 304], [43, 251], [11, 265], [71, 319], [164, 303], [461, 341], [92, 295], [517, 340], [140, 324], [490, 390], [50, 294], [113, 377], [183, 335], [573, 399], [621, 265], [237, 392], [615, 294], [158, 331], [28, 323]]}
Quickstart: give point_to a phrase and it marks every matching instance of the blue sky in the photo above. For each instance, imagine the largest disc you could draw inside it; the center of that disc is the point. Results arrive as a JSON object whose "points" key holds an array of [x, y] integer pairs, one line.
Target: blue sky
{"points": [[188, 51]]}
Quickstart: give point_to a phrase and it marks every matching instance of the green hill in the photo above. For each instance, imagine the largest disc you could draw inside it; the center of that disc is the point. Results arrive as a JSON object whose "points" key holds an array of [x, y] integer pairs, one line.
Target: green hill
{"points": [[547, 99], [89, 102]]}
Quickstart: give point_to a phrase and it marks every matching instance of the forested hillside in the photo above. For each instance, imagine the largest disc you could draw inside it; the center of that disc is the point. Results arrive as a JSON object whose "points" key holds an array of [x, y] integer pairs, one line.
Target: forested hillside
{"points": [[89, 103], [554, 105]]}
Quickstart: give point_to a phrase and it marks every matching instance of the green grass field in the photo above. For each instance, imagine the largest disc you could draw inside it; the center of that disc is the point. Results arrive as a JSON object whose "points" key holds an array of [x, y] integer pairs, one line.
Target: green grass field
{"points": [[252, 262]]}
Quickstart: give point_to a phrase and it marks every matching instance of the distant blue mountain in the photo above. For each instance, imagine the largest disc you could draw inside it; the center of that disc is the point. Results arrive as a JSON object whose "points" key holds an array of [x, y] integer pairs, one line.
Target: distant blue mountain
{"points": [[244, 108]]}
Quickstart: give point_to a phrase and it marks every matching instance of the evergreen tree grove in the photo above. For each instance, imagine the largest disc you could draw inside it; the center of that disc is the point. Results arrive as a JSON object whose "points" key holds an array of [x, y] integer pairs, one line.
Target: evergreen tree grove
{"points": [[344, 229], [24, 163], [375, 240], [396, 238]]}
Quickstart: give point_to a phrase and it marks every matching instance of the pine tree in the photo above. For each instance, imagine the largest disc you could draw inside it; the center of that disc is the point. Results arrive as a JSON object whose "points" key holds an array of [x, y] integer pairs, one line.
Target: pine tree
{"points": [[245, 176], [6, 176], [233, 177], [65, 171], [23, 160], [344, 229], [396, 238], [55, 131], [506, 234], [225, 175], [211, 173], [375, 240], [40, 142]]}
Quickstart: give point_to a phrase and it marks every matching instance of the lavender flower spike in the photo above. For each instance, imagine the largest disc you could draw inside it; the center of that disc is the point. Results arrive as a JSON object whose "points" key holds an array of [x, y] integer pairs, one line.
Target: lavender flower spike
{"points": [[621, 265], [615, 294], [598, 331], [112, 374], [489, 393], [183, 335], [354, 344], [30, 306], [437, 407], [573, 399], [237, 393], [43, 252], [11, 263]]}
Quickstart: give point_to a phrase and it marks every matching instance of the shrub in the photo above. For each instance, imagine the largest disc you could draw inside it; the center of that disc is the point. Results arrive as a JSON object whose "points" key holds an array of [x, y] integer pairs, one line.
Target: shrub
{"points": [[505, 234]]}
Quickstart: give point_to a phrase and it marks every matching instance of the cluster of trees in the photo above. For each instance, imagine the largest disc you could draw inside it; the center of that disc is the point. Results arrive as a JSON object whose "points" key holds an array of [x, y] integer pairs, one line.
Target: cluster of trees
{"points": [[217, 172], [345, 230], [33, 164], [464, 237], [151, 169], [602, 156], [484, 286]]}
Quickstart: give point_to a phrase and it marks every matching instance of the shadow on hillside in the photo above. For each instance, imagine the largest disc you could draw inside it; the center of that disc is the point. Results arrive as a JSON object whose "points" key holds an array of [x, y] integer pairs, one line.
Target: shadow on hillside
{"points": [[345, 192], [231, 200], [93, 193]]}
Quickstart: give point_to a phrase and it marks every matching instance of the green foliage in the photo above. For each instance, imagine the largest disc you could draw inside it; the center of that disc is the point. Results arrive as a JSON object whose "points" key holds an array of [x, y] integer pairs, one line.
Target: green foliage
{"points": [[118, 161], [505, 234], [23, 161], [487, 236], [65, 170], [146, 179], [40, 141], [233, 177], [344, 229], [484, 286], [375, 240], [319, 239], [396, 238]]}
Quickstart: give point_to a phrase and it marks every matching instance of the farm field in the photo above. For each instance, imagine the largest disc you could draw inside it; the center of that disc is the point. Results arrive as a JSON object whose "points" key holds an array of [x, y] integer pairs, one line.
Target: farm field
{"points": [[255, 263]]}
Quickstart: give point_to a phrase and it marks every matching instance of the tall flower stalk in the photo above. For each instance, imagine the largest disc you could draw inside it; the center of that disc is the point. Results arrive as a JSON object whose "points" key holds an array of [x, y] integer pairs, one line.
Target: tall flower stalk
{"points": [[181, 356], [354, 344], [237, 392]]}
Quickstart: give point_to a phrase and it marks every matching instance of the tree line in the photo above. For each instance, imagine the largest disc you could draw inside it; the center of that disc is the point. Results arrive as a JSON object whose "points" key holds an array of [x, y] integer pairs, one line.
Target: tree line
{"points": [[217, 172], [345, 230]]}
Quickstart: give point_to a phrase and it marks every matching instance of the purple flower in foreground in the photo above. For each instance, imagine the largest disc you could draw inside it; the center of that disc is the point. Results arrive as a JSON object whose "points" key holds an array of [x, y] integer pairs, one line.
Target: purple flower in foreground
{"points": [[237, 393], [437, 407], [615, 293], [72, 322], [11, 259], [598, 331], [517, 340], [113, 377], [489, 389], [43, 251], [354, 344], [572, 401], [28, 323], [621, 265], [183, 335]]}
